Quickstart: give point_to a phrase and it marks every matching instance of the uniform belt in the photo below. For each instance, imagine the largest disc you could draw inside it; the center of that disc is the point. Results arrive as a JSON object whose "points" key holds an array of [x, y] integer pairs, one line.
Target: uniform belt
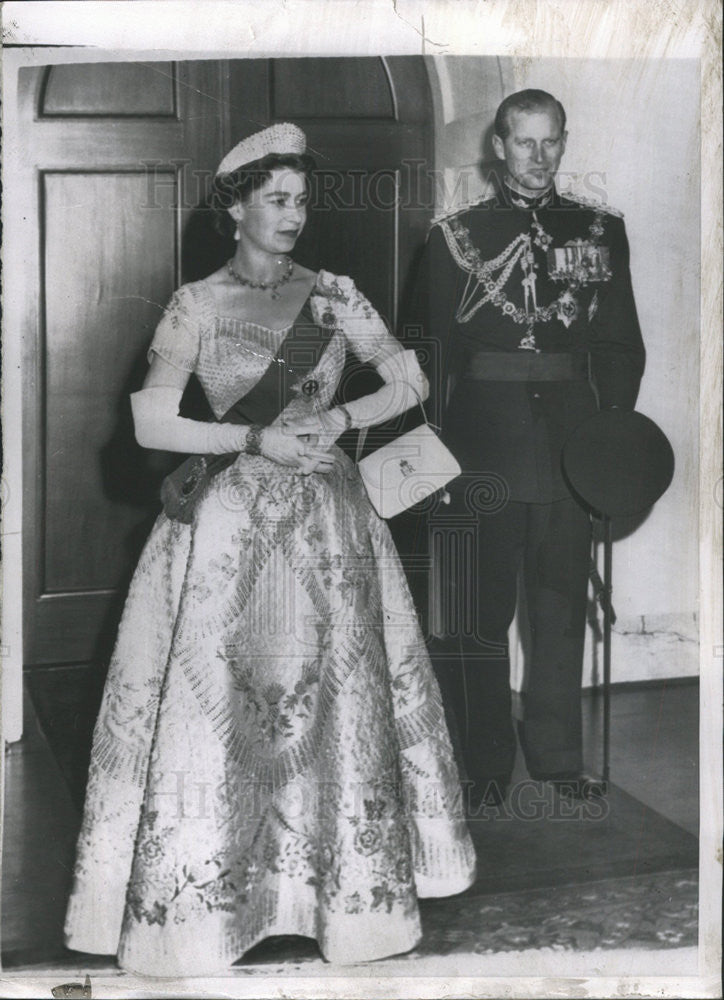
{"points": [[526, 366]]}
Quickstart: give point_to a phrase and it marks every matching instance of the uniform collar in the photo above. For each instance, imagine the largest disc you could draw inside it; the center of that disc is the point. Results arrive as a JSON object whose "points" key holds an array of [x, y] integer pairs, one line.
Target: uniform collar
{"points": [[530, 203]]}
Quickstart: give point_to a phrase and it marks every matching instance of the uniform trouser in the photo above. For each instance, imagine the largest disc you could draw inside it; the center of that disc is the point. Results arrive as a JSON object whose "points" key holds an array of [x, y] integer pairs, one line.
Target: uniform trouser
{"points": [[551, 544]]}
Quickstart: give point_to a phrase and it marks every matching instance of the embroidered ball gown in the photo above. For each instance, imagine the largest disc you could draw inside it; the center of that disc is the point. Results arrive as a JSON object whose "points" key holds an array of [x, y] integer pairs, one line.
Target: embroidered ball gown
{"points": [[271, 755]]}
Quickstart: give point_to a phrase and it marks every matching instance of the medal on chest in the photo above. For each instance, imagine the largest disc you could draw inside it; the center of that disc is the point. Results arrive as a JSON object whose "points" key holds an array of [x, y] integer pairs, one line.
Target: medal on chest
{"points": [[579, 262], [576, 264]]}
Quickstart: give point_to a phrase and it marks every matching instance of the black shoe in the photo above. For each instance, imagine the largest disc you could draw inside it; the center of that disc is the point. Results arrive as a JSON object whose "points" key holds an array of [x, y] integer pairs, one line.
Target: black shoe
{"points": [[574, 784]]}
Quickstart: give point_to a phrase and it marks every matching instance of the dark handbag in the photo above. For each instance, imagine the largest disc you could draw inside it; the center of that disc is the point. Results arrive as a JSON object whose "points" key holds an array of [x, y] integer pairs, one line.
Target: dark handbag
{"points": [[182, 489]]}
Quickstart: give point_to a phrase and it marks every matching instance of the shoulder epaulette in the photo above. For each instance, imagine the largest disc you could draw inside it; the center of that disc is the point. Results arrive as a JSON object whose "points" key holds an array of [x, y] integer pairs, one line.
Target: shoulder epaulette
{"points": [[579, 199], [443, 216]]}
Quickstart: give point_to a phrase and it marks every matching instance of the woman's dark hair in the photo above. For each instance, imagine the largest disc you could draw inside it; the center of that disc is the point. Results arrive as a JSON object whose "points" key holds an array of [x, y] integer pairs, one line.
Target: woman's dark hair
{"points": [[240, 184]]}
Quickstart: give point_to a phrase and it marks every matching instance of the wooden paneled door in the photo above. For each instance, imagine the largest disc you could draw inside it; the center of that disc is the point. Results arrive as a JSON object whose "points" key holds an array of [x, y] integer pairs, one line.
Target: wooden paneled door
{"points": [[118, 161]]}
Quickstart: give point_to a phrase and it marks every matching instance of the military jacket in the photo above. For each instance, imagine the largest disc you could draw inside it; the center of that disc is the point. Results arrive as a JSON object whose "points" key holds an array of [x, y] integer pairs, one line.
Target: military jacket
{"points": [[510, 275]]}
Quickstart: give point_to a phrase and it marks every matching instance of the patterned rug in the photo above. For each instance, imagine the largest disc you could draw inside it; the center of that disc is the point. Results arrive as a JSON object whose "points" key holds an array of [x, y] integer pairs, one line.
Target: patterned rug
{"points": [[649, 911]]}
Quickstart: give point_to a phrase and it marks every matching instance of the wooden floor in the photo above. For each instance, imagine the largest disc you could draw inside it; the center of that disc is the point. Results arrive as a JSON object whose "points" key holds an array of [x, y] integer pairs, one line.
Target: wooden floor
{"points": [[654, 747], [654, 758]]}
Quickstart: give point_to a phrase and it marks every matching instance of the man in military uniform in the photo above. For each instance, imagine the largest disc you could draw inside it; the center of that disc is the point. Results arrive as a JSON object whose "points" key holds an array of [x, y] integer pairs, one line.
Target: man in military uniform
{"points": [[529, 296]]}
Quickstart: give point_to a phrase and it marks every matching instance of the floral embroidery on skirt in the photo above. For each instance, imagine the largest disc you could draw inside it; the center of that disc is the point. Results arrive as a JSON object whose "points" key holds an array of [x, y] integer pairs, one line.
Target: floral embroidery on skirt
{"points": [[271, 754]]}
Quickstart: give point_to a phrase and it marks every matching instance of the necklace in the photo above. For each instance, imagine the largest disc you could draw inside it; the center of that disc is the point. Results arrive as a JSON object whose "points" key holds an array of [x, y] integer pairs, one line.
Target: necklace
{"points": [[263, 285]]}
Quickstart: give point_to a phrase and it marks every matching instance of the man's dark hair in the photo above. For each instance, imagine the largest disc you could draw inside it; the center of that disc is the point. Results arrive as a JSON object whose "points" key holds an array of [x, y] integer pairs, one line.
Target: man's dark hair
{"points": [[526, 100]]}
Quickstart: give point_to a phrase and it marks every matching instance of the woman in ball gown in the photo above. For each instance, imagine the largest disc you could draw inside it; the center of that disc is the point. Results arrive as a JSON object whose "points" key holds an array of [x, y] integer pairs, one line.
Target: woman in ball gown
{"points": [[270, 756]]}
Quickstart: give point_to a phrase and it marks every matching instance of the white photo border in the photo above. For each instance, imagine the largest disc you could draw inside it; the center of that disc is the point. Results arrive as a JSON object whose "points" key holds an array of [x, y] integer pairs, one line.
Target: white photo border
{"points": [[522, 29]]}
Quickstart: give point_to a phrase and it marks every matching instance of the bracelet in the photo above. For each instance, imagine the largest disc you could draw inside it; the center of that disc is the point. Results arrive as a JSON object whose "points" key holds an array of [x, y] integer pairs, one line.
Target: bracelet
{"points": [[252, 445]]}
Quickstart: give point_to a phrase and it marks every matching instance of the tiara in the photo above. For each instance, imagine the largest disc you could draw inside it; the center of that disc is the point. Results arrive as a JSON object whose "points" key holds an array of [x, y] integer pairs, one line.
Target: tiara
{"points": [[281, 138]]}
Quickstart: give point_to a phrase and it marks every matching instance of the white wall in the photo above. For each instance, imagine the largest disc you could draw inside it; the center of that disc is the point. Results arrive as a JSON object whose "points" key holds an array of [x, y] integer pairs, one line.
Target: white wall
{"points": [[633, 128]]}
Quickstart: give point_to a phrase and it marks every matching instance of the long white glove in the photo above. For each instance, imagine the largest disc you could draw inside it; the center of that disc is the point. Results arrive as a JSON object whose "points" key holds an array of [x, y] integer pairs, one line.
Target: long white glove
{"points": [[158, 425], [404, 383], [403, 379]]}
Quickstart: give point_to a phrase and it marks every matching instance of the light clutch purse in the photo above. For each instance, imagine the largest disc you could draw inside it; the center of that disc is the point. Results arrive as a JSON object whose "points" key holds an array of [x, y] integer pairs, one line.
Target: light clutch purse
{"points": [[407, 470]]}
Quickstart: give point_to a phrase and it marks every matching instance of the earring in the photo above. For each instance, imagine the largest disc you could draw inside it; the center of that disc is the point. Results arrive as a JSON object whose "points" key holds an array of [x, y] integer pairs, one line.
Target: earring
{"points": [[237, 234]]}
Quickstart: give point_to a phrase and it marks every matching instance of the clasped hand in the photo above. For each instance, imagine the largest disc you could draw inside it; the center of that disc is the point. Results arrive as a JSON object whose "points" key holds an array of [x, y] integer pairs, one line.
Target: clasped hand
{"points": [[304, 445]]}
